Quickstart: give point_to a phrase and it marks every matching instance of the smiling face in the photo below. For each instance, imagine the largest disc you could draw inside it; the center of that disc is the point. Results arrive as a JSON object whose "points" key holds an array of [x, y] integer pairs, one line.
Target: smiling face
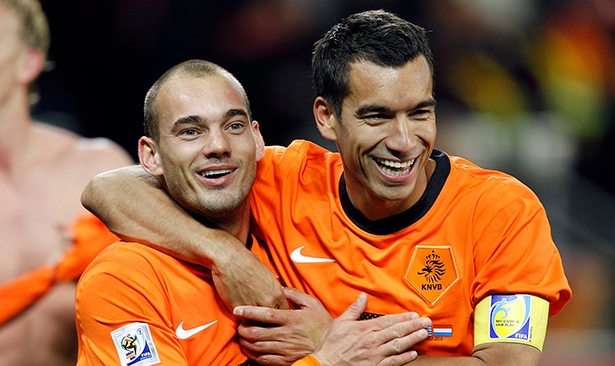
{"points": [[208, 148], [385, 135]]}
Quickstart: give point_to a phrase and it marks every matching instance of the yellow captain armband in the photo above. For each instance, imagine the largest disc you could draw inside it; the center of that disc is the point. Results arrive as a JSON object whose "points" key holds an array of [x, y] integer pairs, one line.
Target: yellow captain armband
{"points": [[511, 318]]}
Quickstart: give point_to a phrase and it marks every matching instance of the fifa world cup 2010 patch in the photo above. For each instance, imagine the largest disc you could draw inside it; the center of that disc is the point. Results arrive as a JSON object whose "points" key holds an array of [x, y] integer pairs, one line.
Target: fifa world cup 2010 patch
{"points": [[511, 318], [135, 346]]}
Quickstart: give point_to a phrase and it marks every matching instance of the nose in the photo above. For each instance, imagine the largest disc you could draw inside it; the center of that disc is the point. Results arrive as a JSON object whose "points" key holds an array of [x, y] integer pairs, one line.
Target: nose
{"points": [[401, 138], [216, 144]]}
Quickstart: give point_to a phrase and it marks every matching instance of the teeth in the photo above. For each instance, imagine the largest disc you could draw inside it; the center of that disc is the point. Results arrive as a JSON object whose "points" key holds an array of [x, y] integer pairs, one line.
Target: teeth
{"points": [[396, 164], [212, 173], [395, 168]]}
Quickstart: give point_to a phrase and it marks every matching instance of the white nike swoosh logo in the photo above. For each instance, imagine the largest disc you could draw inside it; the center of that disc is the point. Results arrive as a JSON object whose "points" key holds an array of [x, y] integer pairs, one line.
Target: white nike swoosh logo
{"points": [[297, 257], [182, 333]]}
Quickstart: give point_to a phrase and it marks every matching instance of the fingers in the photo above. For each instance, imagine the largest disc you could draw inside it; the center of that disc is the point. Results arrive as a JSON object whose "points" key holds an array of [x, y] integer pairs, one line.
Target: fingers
{"points": [[404, 323], [398, 336], [273, 352], [272, 316], [354, 311], [271, 359], [400, 359], [261, 347], [254, 333], [263, 315], [398, 345], [300, 299]]}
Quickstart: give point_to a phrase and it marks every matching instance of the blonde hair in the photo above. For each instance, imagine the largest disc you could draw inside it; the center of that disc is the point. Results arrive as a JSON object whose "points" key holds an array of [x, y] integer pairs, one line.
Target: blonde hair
{"points": [[33, 26], [33, 31]]}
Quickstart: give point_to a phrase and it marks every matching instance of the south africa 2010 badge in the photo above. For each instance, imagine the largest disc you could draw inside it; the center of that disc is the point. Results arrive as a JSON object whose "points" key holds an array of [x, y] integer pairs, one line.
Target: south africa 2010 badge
{"points": [[135, 346]]}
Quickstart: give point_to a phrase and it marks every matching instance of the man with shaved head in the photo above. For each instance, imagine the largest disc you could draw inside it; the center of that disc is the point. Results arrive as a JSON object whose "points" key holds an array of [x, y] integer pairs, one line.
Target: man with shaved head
{"points": [[139, 306]]}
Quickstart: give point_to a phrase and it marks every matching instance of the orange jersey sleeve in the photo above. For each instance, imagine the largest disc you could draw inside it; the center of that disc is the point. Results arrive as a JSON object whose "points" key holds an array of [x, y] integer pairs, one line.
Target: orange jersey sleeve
{"points": [[474, 232]]}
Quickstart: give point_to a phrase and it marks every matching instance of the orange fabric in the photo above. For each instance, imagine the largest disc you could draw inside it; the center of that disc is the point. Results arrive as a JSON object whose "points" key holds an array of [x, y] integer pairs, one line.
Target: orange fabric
{"points": [[90, 237], [129, 285], [474, 232], [18, 294], [308, 360]]}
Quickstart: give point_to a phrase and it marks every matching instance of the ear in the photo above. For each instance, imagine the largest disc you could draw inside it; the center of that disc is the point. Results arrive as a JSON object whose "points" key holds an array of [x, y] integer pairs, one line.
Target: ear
{"points": [[149, 157], [32, 65], [260, 143], [325, 118]]}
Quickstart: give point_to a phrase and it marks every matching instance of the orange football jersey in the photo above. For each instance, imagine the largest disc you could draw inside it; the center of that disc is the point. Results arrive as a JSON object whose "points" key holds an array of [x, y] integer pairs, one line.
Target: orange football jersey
{"points": [[137, 306], [475, 232]]}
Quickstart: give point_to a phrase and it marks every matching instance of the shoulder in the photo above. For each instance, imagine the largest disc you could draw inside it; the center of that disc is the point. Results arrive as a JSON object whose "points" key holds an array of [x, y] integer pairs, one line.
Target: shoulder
{"points": [[102, 152], [125, 281], [298, 156], [488, 183], [124, 256], [122, 268], [61, 148]]}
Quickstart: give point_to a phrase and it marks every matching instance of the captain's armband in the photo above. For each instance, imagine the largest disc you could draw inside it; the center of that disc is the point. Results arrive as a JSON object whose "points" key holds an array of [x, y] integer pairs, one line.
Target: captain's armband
{"points": [[511, 318]]}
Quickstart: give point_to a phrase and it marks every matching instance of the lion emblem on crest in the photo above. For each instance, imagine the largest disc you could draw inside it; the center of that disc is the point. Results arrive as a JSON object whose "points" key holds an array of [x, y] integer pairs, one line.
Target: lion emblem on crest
{"points": [[434, 268]]}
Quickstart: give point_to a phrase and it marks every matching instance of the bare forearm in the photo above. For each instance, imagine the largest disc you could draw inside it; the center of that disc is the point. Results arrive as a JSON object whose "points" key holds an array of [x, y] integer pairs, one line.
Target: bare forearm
{"points": [[495, 354], [491, 354], [134, 205]]}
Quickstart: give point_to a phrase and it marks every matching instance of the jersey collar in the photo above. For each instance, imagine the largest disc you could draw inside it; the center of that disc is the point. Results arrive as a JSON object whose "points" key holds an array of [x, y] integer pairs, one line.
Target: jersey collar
{"points": [[404, 219]]}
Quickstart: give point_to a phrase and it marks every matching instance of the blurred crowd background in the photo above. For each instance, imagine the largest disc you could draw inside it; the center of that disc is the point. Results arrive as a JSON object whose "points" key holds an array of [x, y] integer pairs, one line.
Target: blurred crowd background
{"points": [[523, 86]]}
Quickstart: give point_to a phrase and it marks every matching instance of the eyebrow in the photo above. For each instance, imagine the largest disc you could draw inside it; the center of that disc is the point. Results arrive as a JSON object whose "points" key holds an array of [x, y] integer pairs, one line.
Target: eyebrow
{"points": [[235, 112], [426, 103], [195, 119], [374, 108], [192, 119], [371, 108]]}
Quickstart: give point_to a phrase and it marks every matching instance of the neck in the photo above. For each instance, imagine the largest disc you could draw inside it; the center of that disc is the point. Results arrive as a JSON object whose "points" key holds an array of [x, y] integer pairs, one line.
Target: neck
{"points": [[236, 223], [15, 123], [375, 207]]}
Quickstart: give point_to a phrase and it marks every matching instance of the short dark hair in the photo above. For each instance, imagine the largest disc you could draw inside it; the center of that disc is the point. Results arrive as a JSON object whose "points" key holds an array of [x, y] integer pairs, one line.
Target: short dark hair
{"points": [[376, 36], [190, 68]]}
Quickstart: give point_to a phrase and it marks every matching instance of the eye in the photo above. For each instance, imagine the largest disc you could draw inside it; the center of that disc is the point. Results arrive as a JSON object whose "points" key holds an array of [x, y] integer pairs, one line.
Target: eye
{"points": [[375, 118], [236, 127], [189, 132], [421, 114]]}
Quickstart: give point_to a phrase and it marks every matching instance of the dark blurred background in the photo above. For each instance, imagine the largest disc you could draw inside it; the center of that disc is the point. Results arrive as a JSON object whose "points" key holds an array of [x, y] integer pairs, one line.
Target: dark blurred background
{"points": [[523, 86]]}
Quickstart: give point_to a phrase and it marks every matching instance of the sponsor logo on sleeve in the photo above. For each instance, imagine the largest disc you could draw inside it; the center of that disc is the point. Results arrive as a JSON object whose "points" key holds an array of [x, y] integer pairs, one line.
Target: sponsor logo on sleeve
{"points": [[134, 345]]}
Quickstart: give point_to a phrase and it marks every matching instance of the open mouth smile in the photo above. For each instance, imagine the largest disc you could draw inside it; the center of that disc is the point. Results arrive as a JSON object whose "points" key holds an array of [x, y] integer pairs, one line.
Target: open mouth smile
{"points": [[395, 168], [215, 173]]}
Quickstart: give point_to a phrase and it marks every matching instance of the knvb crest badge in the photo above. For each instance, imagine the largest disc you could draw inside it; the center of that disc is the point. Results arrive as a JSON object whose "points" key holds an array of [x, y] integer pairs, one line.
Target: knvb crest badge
{"points": [[432, 271]]}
